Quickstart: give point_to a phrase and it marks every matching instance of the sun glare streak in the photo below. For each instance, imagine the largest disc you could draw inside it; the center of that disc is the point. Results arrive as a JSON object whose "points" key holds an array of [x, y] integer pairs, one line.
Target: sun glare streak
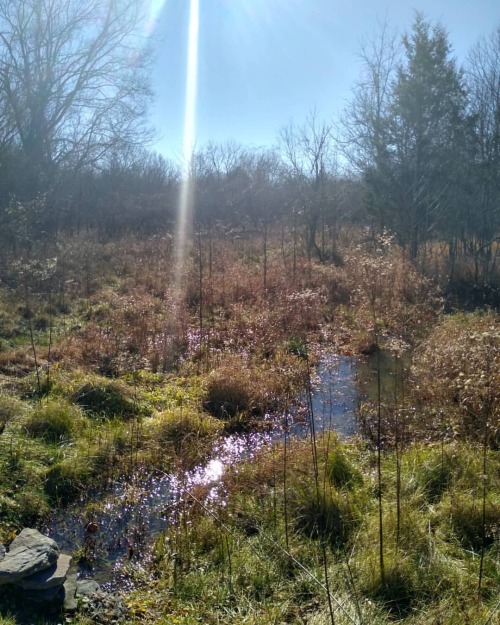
{"points": [[153, 15], [191, 83], [186, 192]]}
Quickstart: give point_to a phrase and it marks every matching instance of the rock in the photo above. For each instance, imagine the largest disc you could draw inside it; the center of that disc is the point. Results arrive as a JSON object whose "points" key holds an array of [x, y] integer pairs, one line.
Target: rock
{"points": [[70, 602], [48, 595], [2, 552], [29, 537], [48, 578], [29, 553], [86, 587]]}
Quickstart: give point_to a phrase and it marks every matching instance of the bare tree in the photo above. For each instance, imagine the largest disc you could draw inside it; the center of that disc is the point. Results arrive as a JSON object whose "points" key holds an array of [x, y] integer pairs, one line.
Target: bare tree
{"points": [[483, 84], [72, 81], [365, 118], [307, 151], [365, 123]]}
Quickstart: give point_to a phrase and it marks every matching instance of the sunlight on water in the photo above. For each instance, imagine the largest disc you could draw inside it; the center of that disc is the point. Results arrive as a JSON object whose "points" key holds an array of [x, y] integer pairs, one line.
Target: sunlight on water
{"points": [[212, 472], [186, 193]]}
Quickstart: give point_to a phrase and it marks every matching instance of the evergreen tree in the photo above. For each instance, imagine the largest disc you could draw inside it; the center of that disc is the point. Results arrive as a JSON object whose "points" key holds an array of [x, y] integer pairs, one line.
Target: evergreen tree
{"points": [[427, 137]]}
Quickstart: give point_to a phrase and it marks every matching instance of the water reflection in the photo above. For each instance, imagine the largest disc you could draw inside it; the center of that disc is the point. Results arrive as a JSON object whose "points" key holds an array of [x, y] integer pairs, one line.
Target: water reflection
{"points": [[393, 376], [333, 400]]}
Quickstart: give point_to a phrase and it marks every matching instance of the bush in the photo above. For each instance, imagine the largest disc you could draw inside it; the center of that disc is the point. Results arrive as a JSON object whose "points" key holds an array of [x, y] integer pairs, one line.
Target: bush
{"points": [[54, 422], [458, 365]]}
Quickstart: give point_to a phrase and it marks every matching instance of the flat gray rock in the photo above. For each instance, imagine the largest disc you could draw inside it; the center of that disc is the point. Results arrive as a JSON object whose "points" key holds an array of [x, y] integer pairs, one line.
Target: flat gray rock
{"points": [[86, 587], [48, 578], [29, 537], [29, 553]]}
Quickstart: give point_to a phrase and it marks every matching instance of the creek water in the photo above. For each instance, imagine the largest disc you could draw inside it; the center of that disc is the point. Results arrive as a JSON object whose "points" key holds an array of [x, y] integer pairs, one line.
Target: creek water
{"points": [[108, 532]]}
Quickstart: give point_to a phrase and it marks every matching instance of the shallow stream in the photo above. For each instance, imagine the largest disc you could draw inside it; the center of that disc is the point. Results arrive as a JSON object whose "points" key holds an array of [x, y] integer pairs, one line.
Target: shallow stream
{"points": [[120, 526]]}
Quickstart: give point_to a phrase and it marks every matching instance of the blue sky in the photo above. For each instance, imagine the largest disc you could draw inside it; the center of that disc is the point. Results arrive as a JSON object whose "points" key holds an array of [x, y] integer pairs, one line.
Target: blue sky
{"points": [[264, 63]]}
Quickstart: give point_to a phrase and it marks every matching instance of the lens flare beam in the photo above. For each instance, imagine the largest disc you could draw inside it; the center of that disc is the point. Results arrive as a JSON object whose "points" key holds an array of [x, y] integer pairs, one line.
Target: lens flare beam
{"points": [[186, 193]]}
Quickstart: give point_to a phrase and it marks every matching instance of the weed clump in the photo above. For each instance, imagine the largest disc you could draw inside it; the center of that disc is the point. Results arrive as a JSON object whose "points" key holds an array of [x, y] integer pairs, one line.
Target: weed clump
{"points": [[10, 407], [433, 470], [297, 346], [398, 591], [106, 399], [65, 481], [341, 472], [229, 393], [239, 391], [32, 505], [54, 421], [189, 434], [329, 515], [466, 515]]}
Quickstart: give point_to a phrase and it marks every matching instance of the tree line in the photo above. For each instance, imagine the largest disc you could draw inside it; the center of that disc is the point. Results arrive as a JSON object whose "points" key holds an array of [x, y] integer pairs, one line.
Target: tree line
{"points": [[416, 151]]}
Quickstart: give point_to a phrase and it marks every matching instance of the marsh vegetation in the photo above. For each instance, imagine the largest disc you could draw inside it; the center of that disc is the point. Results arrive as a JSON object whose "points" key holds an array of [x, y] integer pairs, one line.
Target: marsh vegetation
{"points": [[398, 522]]}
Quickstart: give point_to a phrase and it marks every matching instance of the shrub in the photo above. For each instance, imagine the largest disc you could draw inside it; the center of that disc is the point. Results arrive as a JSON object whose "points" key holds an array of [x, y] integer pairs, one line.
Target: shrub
{"points": [[459, 365], [388, 289]]}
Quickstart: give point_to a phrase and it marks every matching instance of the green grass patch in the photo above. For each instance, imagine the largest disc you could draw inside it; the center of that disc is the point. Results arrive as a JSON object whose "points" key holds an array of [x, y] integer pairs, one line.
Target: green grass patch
{"points": [[106, 399], [55, 421]]}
